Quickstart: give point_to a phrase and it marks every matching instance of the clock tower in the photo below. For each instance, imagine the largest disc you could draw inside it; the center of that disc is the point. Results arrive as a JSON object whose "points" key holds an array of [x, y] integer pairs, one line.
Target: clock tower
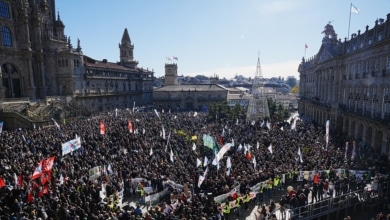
{"points": [[170, 74]]}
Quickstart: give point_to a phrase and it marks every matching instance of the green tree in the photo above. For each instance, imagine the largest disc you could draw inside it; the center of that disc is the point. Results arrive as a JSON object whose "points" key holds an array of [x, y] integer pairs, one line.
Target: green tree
{"points": [[295, 89], [291, 81]]}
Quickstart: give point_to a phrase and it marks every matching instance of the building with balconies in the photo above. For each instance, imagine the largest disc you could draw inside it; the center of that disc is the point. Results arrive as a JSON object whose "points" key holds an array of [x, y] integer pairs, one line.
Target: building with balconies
{"points": [[347, 82]]}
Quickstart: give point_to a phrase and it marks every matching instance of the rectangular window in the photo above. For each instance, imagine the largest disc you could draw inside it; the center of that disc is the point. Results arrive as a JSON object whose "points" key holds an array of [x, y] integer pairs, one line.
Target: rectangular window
{"points": [[388, 62], [376, 65]]}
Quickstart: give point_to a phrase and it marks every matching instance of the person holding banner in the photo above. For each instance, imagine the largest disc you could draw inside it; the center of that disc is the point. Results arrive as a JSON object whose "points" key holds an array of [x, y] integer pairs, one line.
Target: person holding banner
{"points": [[226, 211], [238, 204], [260, 195]]}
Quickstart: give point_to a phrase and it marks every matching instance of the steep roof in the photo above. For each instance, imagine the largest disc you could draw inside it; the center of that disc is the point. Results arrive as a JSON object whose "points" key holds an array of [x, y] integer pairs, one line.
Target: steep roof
{"points": [[126, 37]]}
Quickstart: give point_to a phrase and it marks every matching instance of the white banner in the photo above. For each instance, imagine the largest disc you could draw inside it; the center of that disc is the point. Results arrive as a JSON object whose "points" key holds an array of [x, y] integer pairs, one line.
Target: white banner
{"points": [[221, 152], [71, 146]]}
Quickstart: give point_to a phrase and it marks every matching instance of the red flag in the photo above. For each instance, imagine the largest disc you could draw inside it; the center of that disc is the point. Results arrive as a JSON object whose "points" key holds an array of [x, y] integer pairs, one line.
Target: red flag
{"points": [[48, 176], [2, 183], [306, 46], [130, 125], [38, 170], [43, 179], [35, 185], [48, 164], [102, 128], [248, 155], [45, 190], [30, 197], [20, 180]]}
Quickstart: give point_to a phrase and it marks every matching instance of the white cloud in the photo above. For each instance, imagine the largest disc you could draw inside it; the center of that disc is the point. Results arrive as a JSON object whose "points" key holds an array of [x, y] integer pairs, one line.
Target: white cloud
{"points": [[282, 69]]}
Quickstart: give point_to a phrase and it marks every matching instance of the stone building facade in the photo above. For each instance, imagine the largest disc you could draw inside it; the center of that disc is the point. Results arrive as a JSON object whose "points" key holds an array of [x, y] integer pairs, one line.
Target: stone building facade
{"points": [[196, 97], [38, 60], [348, 82]]}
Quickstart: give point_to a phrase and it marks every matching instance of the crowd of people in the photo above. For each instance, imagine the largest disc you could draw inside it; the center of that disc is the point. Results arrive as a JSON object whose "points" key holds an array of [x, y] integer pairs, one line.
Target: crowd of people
{"points": [[159, 146]]}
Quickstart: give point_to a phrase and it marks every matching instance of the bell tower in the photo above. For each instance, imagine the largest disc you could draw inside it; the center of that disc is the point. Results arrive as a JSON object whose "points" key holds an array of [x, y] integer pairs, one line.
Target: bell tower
{"points": [[170, 74], [126, 51]]}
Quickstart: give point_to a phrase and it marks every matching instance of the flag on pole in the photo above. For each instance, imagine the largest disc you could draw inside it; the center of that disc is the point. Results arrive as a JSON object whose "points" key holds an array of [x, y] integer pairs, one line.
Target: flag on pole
{"points": [[249, 154], [306, 46], [20, 180], [205, 172], [47, 165], [353, 151], [262, 124], [294, 125], [2, 183], [102, 128], [200, 180], [58, 126], [168, 58], [130, 126], [239, 148], [270, 148], [327, 134], [228, 163], [198, 162], [61, 179], [171, 155], [163, 132], [175, 58], [15, 181], [155, 111], [37, 171], [268, 125], [300, 154], [354, 9], [205, 161]]}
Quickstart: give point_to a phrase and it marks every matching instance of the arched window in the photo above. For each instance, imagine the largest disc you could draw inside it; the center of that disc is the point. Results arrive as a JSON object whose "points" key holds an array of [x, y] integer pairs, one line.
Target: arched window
{"points": [[6, 34], [4, 10]]}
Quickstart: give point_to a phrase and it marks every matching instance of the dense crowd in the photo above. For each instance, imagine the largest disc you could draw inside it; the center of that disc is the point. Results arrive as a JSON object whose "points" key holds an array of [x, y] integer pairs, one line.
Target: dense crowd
{"points": [[158, 147]]}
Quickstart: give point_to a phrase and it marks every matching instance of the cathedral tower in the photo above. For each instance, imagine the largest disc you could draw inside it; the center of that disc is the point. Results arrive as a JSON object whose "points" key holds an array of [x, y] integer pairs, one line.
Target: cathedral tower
{"points": [[126, 51]]}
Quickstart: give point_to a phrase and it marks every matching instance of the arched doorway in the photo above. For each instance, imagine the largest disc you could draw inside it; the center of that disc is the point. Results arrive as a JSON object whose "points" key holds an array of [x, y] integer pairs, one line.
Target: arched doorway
{"points": [[346, 125], [360, 132], [11, 81], [368, 138], [353, 130], [378, 141]]}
